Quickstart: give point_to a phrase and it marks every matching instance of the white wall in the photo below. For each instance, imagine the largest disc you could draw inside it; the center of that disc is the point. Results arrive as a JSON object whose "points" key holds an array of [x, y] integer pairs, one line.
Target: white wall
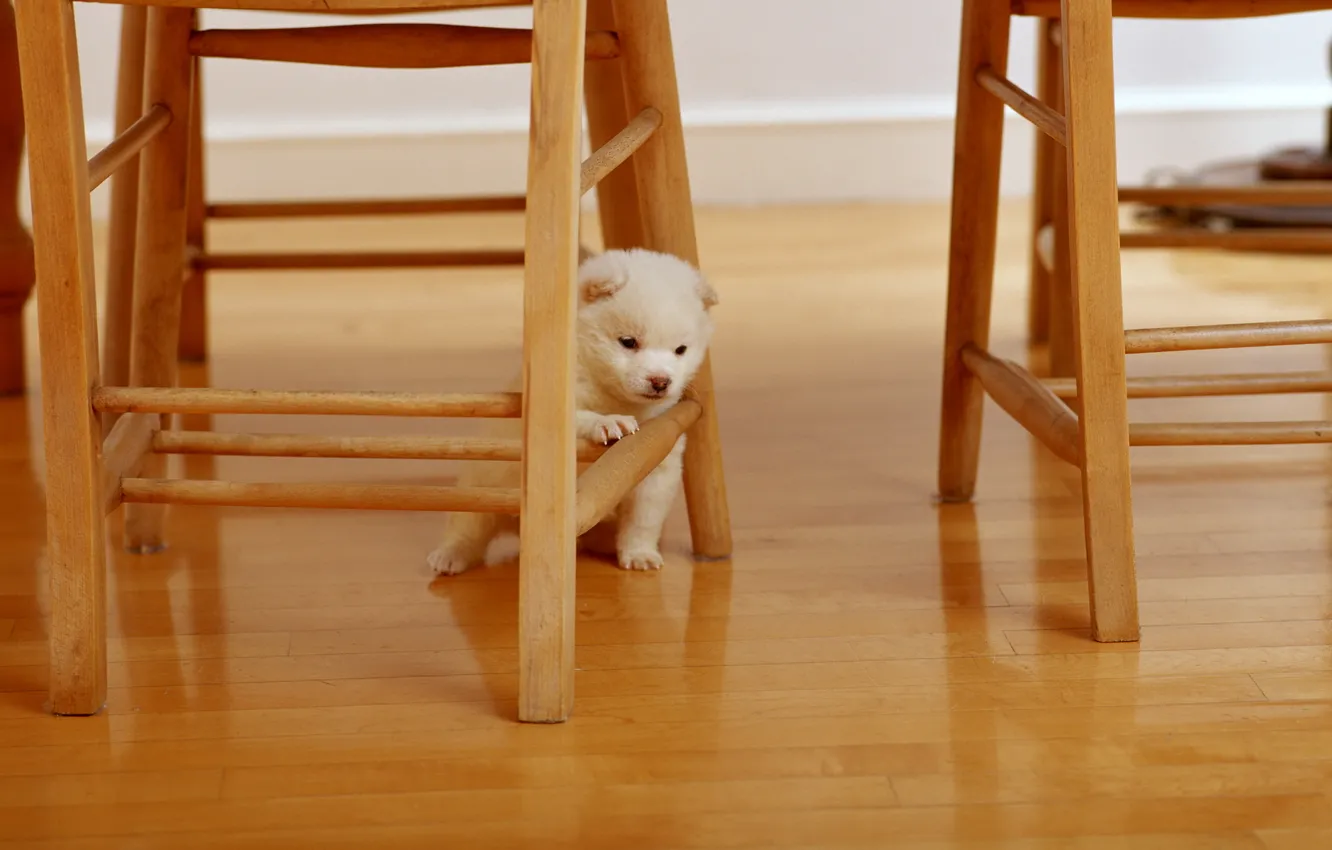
{"points": [[783, 103]]}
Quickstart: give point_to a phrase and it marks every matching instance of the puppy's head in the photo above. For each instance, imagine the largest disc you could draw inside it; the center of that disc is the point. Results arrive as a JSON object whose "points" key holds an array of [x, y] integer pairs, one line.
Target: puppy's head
{"points": [[643, 324]]}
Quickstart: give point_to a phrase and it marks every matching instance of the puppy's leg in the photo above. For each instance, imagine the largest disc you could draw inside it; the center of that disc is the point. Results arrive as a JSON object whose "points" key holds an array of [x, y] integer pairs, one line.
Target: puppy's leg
{"points": [[644, 512], [466, 538], [603, 428]]}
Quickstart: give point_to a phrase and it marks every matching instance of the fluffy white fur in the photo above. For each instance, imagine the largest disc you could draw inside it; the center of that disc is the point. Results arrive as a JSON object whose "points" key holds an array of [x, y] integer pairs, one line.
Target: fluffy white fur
{"points": [[643, 329]]}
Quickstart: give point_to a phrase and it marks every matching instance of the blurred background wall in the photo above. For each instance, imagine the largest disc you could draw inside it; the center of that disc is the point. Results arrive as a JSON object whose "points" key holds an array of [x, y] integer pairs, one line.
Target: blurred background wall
{"points": [[855, 106]]}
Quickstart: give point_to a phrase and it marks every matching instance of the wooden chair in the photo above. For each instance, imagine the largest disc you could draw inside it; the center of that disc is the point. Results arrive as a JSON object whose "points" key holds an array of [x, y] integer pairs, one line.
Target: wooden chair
{"points": [[1098, 437], [1049, 312], [605, 118], [88, 477]]}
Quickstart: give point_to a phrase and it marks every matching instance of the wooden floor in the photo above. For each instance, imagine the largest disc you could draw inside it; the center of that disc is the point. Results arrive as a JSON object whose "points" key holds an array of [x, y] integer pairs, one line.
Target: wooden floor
{"points": [[870, 671]]}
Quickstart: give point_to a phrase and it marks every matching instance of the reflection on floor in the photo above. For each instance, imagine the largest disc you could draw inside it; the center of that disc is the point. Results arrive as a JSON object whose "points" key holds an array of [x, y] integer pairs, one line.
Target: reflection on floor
{"points": [[871, 670]]}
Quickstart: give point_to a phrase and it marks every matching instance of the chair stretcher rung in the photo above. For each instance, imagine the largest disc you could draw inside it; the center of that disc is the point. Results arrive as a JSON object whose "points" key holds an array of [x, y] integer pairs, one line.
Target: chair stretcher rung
{"points": [[1248, 335], [124, 451], [605, 483], [1229, 433], [187, 400], [612, 155], [127, 145], [1187, 386], [313, 445], [355, 260], [1283, 240], [351, 208], [386, 45], [1287, 193], [1046, 119], [1027, 400], [363, 497]]}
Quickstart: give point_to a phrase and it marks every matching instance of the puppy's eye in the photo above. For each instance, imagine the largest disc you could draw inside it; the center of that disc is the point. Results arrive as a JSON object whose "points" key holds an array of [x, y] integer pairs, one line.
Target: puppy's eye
{"points": [[629, 342], [679, 352]]}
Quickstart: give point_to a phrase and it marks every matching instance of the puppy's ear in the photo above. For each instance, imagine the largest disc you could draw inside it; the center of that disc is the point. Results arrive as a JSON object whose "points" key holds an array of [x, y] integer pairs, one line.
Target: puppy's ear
{"points": [[602, 276], [706, 293]]}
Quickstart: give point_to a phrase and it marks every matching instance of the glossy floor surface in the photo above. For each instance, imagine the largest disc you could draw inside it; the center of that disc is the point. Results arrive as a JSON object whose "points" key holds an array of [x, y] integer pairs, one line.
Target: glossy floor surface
{"points": [[870, 671]]}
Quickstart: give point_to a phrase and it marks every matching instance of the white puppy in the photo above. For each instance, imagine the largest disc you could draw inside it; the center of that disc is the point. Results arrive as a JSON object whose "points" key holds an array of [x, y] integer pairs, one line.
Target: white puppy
{"points": [[643, 328]]}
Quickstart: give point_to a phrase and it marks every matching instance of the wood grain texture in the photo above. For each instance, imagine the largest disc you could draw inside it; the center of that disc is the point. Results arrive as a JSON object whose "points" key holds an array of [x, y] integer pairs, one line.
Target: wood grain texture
{"points": [[1264, 239], [58, 168], [124, 202], [358, 207], [977, 147], [549, 470], [124, 453], [868, 663], [1185, 386], [343, 496], [126, 145], [1289, 193], [1239, 335], [1229, 433], [618, 148], [1048, 157], [1024, 398], [315, 445], [386, 45], [604, 101], [1094, 263], [1045, 117], [305, 402], [356, 260], [193, 344], [666, 207], [159, 244], [1063, 354]]}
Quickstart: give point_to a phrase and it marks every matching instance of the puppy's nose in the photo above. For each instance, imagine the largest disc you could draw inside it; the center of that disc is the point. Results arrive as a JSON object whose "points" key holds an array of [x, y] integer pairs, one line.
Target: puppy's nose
{"points": [[660, 383]]}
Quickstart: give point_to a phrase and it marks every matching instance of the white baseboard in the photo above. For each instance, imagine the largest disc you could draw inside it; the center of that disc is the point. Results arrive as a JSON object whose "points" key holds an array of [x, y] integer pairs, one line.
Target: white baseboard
{"points": [[896, 149]]}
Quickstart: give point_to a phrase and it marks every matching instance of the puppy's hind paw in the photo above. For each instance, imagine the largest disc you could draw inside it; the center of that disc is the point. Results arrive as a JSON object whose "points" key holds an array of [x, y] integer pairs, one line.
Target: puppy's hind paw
{"points": [[445, 563], [640, 559]]}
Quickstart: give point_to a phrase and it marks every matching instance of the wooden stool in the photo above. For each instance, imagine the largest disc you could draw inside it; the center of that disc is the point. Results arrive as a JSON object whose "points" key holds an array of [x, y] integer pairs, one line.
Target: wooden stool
{"points": [[1096, 439], [606, 117], [88, 477], [1049, 311]]}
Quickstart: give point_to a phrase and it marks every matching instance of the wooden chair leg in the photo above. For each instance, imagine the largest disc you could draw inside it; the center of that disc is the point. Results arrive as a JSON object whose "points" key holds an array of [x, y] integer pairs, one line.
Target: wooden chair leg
{"points": [[603, 86], [68, 326], [667, 211], [1094, 263], [975, 212], [1058, 284], [1063, 355], [549, 471], [161, 241], [1048, 77], [194, 295], [124, 208], [16, 261]]}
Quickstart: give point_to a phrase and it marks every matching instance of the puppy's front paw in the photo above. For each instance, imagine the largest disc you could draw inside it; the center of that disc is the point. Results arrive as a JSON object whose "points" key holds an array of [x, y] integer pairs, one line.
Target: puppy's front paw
{"points": [[443, 562], [640, 559], [607, 429]]}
